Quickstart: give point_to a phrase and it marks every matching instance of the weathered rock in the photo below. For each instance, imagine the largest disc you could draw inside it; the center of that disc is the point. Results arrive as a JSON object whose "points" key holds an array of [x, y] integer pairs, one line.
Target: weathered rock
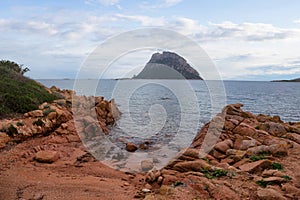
{"points": [[234, 109], [196, 166], [147, 165], [34, 113], [46, 156], [245, 130], [235, 154], [224, 145], [293, 136], [246, 144], [272, 172], [131, 147], [274, 180], [160, 179], [257, 166], [274, 129], [269, 194]]}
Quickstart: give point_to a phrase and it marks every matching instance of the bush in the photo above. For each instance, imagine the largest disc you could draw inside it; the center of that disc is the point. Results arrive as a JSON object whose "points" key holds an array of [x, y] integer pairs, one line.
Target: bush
{"points": [[214, 173], [47, 111], [19, 94], [276, 165]]}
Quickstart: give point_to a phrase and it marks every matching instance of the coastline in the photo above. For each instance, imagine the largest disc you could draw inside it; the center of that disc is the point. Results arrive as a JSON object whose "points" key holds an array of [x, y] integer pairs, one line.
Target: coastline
{"points": [[60, 167]]}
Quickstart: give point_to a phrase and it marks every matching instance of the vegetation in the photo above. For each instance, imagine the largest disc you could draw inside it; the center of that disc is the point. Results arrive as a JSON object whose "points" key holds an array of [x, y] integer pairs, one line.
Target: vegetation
{"points": [[262, 183], [214, 173], [257, 157], [178, 183], [277, 166], [47, 111], [19, 94]]}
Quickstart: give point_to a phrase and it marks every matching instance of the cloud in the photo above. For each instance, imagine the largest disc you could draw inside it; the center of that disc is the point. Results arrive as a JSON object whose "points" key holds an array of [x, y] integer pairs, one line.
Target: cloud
{"points": [[160, 4], [250, 31], [32, 27], [103, 2], [144, 20], [297, 21], [275, 70]]}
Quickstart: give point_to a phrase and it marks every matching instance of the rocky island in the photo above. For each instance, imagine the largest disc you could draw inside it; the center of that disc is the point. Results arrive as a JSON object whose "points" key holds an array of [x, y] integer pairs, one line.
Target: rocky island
{"points": [[168, 65]]}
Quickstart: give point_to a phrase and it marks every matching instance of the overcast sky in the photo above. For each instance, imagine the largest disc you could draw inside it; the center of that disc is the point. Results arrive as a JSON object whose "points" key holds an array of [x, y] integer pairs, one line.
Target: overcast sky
{"points": [[246, 39]]}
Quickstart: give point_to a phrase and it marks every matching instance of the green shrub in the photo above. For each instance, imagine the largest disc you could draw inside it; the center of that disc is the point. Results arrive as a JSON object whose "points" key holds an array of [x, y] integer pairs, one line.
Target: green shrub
{"points": [[276, 165], [286, 177], [210, 174], [19, 94], [257, 157], [47, 111], [262, 183]]}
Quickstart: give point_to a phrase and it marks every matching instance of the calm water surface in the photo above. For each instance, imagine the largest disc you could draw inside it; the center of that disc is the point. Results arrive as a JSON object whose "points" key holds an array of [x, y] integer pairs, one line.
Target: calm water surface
{"points": [[176, 113]]}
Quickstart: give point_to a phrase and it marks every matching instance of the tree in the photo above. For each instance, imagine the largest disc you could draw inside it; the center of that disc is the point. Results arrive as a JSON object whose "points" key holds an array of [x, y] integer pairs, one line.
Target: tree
{"points": [[14, 66]]}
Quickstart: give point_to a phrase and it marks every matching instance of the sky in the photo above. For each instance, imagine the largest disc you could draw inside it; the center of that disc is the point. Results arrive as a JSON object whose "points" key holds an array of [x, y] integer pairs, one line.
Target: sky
{"points": [[246, 40]]}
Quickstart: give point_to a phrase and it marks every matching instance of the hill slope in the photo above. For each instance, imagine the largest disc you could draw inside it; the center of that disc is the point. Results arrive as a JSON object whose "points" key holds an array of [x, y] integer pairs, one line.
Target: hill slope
{"points": [[19, 94], [167, 65]]}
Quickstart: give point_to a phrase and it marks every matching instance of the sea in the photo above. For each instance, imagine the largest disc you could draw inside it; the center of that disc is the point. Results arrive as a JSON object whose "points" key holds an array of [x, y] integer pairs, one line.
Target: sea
{"points": [[171, 112]]}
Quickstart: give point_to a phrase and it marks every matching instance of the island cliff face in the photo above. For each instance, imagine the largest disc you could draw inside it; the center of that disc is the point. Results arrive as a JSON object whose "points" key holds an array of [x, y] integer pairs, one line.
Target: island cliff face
{"points": [[167, 65]]}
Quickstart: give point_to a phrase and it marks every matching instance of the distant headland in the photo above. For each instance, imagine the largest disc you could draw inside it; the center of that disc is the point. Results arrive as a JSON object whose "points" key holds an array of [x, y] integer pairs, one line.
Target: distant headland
{"points": [[168, 65], [292, 80]]}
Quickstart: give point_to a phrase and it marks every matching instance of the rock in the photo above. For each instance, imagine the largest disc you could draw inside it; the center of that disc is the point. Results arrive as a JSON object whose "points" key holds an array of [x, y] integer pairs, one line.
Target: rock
{"points": [[274, 180], [224, 145], [148, 186], [196, 166], [191, 152], [160, 179], [236, 155], [168, 65], [290, 189], [269, 194], [272, 172], [280, 149], [246, 144], [46, 156], [293, 136], [257, 150], [274, 129], [34, 113], [152, 175], [145, 190], [256, 166], [245, 130], [234, 109], [38, 196], [64, 126], [218, 155], [147, 165], [130, 147], [52, 115]]}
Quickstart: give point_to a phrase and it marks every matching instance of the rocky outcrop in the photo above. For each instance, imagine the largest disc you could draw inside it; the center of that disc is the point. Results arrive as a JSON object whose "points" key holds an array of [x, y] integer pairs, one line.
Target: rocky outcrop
{"points": [[54, 118], [253, 158], [167, 65]]}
